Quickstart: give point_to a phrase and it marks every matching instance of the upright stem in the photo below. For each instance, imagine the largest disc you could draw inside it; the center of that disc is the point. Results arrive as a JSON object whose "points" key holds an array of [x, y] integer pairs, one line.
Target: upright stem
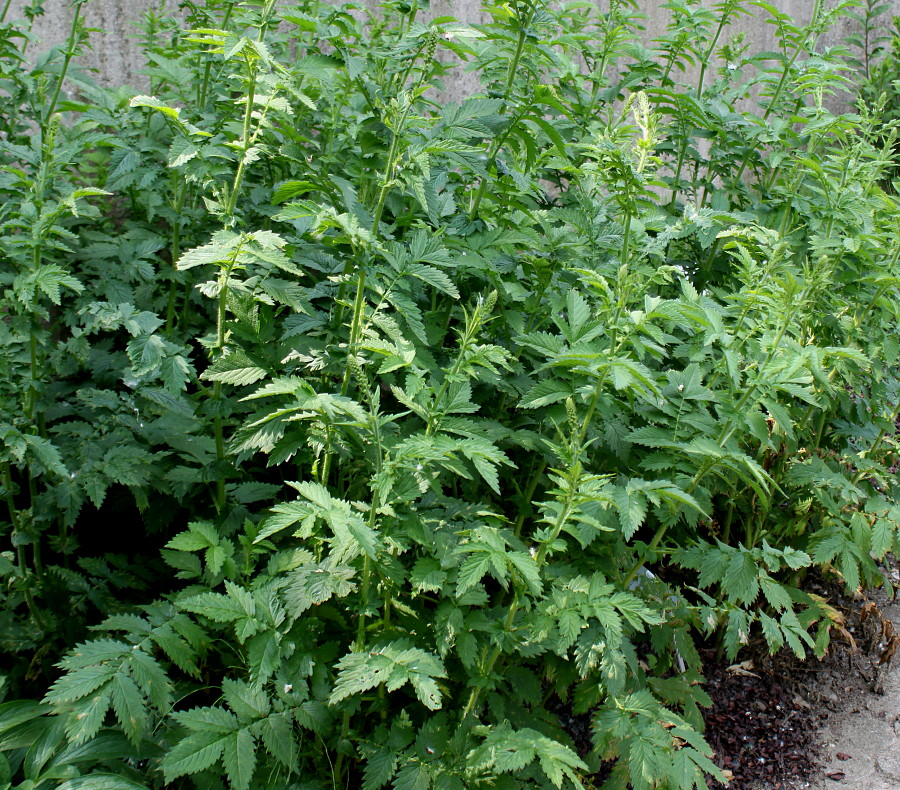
{"points": [[359, 301], [246, 145], [729, 517], [714, 250], [626, 234], [507, 93], [10, 503], [202, 93], [892, 419], [527, 496], [773, 103], [539, 559], [175, 254], [366, 581], [34, 369], [247, 142], [704, 65], [21, 561], [221, 314], [70, 53], [724, 436]]}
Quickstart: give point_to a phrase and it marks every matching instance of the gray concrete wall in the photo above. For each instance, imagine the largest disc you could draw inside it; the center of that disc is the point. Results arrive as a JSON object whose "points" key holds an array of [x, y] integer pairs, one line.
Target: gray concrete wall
{"points": [[116, 60]]}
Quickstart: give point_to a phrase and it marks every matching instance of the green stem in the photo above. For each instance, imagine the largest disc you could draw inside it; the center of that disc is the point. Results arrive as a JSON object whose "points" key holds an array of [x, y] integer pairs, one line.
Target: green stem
{"points": [[892, 419], [359, 301], [704, 65], [70, 53], [10, 502], [366, 582], [36, 558], [221, 314], [895, 256], [507, 93], [388, 176], [724, 436], [539, 559], [246, 145], [492, 660], [20, 549], [32, 395], [776, 96], [247, 142], [541, 554], [493, 153], [365, 587], [220, 450], [202, 93], [29, 598], [359, 307], [729, 517], [772, 105], [626, 234], [527, 496], [682, 153], [473, 327], [176, 254]]}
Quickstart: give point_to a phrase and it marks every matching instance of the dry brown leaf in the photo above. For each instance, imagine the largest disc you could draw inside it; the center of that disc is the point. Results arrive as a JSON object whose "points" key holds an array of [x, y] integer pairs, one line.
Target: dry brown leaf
{"points": [[743, 668]]}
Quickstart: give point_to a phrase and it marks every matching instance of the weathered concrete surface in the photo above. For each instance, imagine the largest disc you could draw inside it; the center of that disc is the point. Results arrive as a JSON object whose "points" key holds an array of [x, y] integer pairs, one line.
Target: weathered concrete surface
{"points": [[116, 60], [114, 57], [867, 738]]}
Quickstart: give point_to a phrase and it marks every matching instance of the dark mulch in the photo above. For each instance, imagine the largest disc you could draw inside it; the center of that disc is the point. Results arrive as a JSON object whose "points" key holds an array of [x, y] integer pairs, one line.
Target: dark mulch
{"points": [[763, 731]]}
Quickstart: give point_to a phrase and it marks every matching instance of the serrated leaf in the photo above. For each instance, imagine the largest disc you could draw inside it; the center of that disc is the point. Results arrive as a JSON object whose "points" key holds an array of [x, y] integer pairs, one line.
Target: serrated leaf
{"points": [[632, 508], [236, 368], [128, 704], [239, 759], [215, 606], [545, 393], [246, 701], [413, 777], [155, 104], [882, 537], [278, 738], [182, 151], [472, 572], [379, 769], [101, 781], [394, 665], [741, 580], [435, 278], [193, 754], [79, 683]]}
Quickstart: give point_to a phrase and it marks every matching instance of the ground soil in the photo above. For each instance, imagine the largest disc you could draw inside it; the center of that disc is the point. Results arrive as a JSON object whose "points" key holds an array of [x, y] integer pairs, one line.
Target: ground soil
{"points": [[781, 724]]}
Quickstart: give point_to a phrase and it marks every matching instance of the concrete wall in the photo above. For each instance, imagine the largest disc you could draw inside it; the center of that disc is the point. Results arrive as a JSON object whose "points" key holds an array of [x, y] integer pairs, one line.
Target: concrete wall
{"points": [[115, 58]]}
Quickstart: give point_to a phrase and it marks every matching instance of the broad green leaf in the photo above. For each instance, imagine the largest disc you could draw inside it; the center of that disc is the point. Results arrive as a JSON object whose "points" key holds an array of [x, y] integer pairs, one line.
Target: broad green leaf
{"points": [[101, 781], [193, 754], [239, 759]]}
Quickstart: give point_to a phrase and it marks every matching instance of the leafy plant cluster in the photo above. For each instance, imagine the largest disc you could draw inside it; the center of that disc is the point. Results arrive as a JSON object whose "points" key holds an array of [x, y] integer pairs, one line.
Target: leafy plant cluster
{"points": [[876, 49], [363, 429]]}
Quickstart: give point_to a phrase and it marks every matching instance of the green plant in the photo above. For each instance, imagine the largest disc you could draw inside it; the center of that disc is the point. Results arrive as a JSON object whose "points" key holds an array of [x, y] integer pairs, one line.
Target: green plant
{"points": [[877, 49], [499, 405]]}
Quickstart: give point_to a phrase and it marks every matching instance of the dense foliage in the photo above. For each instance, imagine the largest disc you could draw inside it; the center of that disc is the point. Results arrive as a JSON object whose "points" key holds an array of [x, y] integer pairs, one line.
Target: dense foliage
{"points": [[348, 432]]}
